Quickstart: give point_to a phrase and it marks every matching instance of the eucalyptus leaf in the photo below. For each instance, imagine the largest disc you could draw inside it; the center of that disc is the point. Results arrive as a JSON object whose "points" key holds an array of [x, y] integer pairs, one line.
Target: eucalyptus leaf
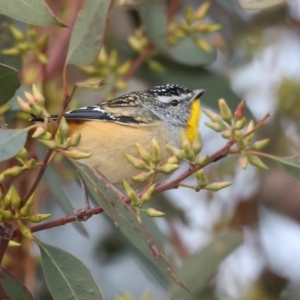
{"points": [[261, 4], [66, 276], [12, 288], [199, 269], [87, 35], [125, 220], [9, 83], [289, 164], [34, 12], [62, 199], [11, 142]]}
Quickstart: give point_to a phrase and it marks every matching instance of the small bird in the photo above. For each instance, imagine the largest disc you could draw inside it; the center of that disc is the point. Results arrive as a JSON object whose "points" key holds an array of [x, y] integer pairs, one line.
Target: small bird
{"points": [[112, 128]]}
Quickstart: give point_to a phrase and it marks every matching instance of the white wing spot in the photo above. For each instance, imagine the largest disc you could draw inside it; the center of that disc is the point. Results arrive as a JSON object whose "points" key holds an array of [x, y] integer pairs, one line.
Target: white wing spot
{"points": [[98, 108]]}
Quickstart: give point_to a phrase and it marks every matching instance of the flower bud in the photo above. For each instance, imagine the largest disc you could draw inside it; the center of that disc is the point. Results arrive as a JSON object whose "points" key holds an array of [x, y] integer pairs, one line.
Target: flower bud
{"points": [[11, 51], [227, 134], [218, 127], [142, 177], [13, 171], [31, 163], [147, 195], [78, 154], [216, 186], [256, 162], [37, 218], [243, 161], [259, 145], [74, 139], [24, 105], [203, 45], [25, 230], [40, 130], [213, 116], [202, 10], [131, 194], [145, 155], [113, 59], [168, 168], [239, 124], [202, 160], [52, 145], [25, 209], [138, 163], [176, 152], [201, 178], [155, 152], [197, 144], [15, 198], [241, 145], [225, 111], [36, 110], [39, 98], [124, 68], [22, 154], [4, 109], [17, 34], [153, 213], [172, 160], [188, 14], [240, 110], [6, 214]]}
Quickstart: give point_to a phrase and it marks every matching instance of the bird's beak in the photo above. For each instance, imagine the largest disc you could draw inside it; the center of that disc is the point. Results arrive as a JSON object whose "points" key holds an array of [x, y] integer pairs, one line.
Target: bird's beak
{"points": [[197, 94]]}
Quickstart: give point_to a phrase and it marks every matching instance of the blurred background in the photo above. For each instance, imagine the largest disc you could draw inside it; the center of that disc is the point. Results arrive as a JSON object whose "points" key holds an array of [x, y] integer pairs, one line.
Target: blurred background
{"points": [[254, 55]]}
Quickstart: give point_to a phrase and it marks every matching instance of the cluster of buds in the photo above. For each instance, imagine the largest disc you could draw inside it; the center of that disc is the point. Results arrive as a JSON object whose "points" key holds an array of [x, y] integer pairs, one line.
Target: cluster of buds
{"points": [[189, 150], [108, 67], [139, 43], [12, 209], [150, 163], [235, 128], [27, 164], [192, 28], [62, 140], [26, 44], [189, 153]]}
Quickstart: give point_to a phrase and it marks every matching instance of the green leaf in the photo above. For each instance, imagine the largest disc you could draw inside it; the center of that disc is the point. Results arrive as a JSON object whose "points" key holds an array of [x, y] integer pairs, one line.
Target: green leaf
{"points": [[11, 142], [66, 276], [13, 288], [185, 52], [125, 220], [62, 199], [289, 164], [199, 269], [9, 83], [261, 4], [88, 32], [7, 41], [34, 12]]}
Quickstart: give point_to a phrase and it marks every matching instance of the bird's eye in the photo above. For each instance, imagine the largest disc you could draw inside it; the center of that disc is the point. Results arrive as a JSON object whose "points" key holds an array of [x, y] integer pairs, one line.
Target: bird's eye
{"points": [[174, 102]]}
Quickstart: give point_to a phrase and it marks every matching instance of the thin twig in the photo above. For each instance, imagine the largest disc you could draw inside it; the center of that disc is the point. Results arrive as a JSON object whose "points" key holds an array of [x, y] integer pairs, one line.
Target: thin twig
{"points": [[60, 222], [139, 61]]}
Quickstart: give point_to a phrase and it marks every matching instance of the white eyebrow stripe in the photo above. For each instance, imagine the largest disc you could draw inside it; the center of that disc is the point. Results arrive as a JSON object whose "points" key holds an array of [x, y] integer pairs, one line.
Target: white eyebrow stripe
{"points": [[168, 99]]}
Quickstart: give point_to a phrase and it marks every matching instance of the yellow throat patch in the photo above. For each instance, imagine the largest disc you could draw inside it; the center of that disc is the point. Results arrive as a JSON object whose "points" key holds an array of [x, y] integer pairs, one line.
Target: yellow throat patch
{"points": [[193, 121]]}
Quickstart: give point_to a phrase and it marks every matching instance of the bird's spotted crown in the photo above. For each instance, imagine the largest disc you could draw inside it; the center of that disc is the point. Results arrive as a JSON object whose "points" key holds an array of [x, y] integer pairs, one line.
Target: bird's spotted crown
{"points": [[169, 90]]}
